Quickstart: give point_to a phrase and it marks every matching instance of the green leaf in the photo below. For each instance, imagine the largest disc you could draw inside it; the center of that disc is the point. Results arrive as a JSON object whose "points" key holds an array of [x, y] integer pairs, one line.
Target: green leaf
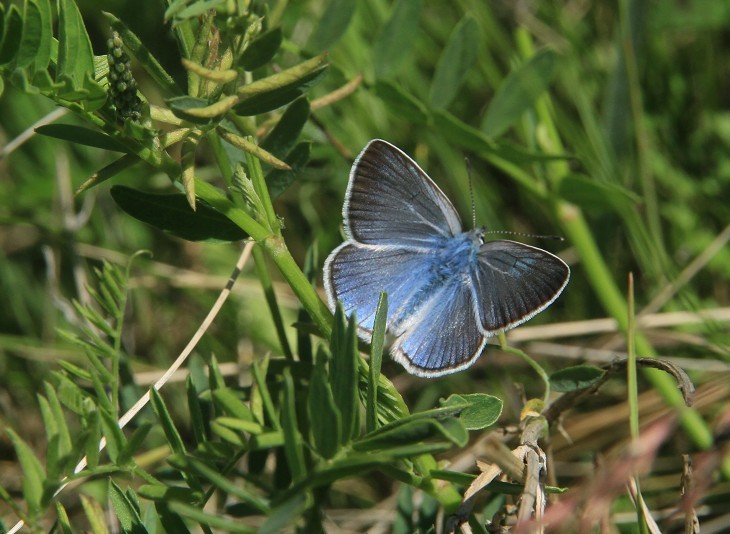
{"points": [[261, 50], [343, 373], [168, 426], [241, 425], [230, 403], [596, 195], [126, 511], [115, 440], [265, 101], [172, 213], [518, 92], [483, 410], [181, 104], [376, 360], [12, 35], [197, 422], [461, 134], [81, 136], [284, 135], [396, 38], [412, 432], [109, 171], [226, 485], [75, 56], [279, 181], [30, 41], [45, 47], [33, 474], [214, 521], [93, 437], [286, 513], [325, 420], [64, 523], [188, 9], [576, 377], [332, 24], [54, 403], [455, 62], [401, 102], [293, 445], [159, 492]]}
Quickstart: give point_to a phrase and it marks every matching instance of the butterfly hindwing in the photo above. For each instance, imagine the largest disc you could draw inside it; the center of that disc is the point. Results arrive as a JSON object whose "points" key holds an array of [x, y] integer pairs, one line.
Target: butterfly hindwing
{"points": [[444, 335]]}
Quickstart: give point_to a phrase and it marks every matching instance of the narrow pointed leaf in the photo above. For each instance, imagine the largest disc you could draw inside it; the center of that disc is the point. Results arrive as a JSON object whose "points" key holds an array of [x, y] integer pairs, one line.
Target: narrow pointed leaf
{"points": [[376, 359], [33, 474], [284, 135], [168, 426], [81, 136], [324, 416], [293, 445], [172, 213]]}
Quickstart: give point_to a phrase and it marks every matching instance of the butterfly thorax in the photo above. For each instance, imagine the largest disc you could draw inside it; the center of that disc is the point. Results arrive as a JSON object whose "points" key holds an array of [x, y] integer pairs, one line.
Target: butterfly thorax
{"points": [[451, 261]]}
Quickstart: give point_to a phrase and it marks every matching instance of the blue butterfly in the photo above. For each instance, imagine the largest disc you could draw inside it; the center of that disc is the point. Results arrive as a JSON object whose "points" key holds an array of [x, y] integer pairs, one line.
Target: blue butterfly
{"points": [[448, 290]]}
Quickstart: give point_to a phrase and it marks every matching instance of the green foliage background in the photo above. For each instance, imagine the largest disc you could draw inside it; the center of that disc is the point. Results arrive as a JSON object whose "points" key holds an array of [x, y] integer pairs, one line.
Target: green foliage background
{"points": [[606, 123]]}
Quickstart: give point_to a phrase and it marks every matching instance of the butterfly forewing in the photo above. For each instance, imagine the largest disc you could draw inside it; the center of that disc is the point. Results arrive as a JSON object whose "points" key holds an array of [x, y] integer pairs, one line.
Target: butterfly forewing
{"points": [[514, 281], [391, 201]]}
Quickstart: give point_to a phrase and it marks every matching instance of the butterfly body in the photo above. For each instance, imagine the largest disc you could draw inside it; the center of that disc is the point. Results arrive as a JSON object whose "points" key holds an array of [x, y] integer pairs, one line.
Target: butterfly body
{"points": [[448, 290]]}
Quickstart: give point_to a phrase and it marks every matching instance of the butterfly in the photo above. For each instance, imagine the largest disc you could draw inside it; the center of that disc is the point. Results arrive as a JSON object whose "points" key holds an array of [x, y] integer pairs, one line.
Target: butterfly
{"points": [[448, 289]]}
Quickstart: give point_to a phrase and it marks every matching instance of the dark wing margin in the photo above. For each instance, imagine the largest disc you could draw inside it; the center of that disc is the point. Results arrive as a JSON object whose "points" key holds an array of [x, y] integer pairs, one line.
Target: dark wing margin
{"points": [[513, 282], [390, 200]]}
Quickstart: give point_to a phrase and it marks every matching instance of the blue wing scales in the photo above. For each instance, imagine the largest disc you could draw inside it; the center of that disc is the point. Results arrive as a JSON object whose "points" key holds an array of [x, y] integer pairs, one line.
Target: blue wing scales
{"points": [[356, 274]]}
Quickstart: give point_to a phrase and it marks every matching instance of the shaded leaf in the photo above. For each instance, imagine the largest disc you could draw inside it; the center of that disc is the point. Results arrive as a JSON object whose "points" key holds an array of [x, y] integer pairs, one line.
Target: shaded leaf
{"points": [[332, 24], [279, 181], [172, 213], [75, 56], [279, 96], [401, 102], [324, 417], [596, 195], [518, 92], [261, 50], [576, 377], [396, 38], [81, 136], [343, 373], [12, 34], [455, 62], [33, 474], [286, 132]]}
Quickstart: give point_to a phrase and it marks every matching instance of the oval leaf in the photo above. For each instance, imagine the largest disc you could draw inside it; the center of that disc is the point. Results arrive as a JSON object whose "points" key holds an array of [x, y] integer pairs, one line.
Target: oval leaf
{"points": [[519, 91], [573, 378], [455, 62], [261, 50]]}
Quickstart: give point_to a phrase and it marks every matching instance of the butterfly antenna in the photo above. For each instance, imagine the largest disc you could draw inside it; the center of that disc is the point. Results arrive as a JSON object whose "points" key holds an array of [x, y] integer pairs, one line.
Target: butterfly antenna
{"points": [[471, 193], [522, 234]]}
